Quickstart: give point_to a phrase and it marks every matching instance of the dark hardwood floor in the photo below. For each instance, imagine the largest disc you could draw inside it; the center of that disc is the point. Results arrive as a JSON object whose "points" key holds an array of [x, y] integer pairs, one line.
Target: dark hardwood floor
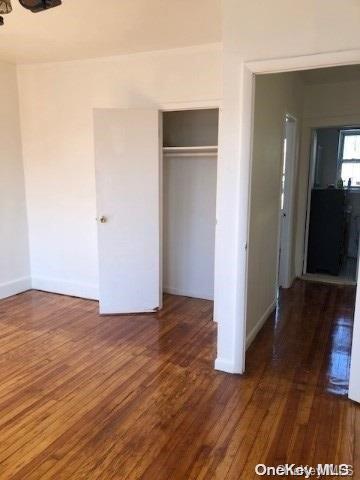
{"points": [[130, 397]]}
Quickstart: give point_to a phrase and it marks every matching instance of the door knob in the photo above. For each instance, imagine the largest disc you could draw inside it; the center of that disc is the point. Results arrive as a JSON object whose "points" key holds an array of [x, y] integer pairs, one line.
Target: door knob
{"points": [[102, 219]]}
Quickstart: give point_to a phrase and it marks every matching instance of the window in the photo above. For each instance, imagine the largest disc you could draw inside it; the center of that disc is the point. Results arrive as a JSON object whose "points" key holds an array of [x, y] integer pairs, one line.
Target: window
{"points": [[349, 157]]}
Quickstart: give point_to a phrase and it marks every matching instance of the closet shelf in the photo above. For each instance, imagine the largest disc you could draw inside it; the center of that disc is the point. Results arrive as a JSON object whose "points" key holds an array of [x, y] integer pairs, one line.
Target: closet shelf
{"points": [[198, 151]]}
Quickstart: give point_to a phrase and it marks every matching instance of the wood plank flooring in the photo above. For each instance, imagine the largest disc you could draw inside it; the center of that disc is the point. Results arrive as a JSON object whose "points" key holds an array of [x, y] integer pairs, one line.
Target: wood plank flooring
{"points": [[136, 397]]}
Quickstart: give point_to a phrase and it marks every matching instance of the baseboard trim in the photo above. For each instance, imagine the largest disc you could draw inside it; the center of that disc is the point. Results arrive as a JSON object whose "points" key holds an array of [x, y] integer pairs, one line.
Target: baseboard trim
{"points": [[227, 366], [187, 293], [251, 336], [20, 285], [64, 287], [289, 285]]}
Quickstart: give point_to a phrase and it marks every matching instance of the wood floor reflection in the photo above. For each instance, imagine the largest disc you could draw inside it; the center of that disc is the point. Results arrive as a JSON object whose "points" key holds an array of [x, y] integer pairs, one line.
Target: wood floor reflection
{"points": [[130, 397]]}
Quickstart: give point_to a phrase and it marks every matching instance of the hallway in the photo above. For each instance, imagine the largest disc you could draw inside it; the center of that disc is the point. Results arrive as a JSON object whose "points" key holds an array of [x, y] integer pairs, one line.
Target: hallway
{"points": [[309, 340], [128, 397]]}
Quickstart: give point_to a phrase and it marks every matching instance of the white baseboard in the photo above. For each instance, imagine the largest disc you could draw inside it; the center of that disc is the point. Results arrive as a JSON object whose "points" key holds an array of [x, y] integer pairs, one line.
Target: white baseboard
{"points": [[251, 336], [354, 390], [188, 293], [65, 287], [14, 287], [290, 283], [227, 366]]}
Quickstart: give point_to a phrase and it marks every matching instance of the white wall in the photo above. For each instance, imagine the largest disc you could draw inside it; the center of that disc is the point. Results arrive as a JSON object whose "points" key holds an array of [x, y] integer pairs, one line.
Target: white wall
{"points": [[189, 225], [14, 255], [261, 30], [56, 106], [275, 96]]}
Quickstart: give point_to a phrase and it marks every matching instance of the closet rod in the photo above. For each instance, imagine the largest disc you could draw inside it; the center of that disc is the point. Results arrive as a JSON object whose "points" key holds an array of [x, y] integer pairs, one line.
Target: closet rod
{"points": [[197, 151], [190, 154]]}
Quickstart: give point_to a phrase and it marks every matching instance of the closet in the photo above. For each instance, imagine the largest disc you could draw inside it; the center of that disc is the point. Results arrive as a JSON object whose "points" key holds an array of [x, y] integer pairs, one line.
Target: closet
{"points": [[190, 145]]}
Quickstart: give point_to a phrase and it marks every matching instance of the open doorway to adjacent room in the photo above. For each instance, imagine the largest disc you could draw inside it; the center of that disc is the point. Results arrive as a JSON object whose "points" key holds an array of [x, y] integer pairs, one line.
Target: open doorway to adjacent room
{"points": [[305, 183], [333, 213]]}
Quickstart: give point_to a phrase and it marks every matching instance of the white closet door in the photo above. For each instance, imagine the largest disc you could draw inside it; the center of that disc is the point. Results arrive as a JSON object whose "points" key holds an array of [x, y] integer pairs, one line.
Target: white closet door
{"points": [[128, 207]]}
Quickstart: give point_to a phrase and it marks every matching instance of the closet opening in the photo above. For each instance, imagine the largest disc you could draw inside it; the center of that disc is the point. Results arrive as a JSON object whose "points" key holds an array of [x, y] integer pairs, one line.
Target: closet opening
{"points": [[190, 149]]}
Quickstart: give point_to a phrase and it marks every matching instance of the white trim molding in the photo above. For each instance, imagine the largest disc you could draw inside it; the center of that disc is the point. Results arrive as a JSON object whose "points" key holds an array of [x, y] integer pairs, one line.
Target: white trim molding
{"points": [[260, 323], [14, 287], [64, 287], [191, 105], [188, 293], [305, 62], [225, 365]]}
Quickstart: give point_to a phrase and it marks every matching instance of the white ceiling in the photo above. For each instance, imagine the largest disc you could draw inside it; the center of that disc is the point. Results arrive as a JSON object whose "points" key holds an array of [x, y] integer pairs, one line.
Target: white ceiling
{"points": [[96, 28]]}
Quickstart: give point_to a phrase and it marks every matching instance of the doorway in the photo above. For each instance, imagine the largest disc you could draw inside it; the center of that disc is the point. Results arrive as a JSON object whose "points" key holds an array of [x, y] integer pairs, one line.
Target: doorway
{"points": [[333, 212], [274, 94]]}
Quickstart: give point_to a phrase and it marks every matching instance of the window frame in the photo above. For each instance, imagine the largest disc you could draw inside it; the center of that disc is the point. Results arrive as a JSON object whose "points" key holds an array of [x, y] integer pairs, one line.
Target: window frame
{"points": [[340, 160]]}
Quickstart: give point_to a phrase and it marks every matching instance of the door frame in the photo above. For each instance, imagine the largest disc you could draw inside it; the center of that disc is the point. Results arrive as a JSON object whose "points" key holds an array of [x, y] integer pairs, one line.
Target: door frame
{"points": [[247, 72], [178, 107], [291, 193], [311, 177]]}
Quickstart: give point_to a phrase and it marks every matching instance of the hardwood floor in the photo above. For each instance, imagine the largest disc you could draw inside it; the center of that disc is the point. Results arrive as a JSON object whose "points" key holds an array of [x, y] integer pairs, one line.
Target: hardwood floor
{"points": [[89, 397]]}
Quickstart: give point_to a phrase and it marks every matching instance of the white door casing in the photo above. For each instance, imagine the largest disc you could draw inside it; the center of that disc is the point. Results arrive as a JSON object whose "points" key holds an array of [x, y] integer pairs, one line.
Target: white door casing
{"points": [[247, 88], [287, 202], [311, 181]]}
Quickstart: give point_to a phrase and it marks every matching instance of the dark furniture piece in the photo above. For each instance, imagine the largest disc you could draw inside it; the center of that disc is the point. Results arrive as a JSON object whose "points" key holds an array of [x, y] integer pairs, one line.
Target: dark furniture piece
{"points": [[327, 229]]}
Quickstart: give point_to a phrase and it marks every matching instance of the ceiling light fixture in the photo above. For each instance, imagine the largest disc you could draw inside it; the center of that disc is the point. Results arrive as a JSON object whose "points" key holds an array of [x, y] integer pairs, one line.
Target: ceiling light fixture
{"points": [[32, 5], [5, 6]]}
